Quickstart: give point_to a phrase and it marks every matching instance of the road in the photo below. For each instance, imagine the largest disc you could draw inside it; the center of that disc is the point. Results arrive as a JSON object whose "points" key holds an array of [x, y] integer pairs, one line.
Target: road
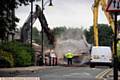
{"points": [[66, 73]]}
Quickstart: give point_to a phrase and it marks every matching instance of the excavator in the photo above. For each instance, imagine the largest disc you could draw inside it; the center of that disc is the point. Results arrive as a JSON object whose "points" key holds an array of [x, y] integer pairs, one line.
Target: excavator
{"points": [[38, 14], [110, 19], [27, 26]]}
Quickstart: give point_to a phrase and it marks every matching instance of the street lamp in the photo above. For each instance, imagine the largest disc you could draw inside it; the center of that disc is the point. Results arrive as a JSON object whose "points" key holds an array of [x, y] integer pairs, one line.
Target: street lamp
{"points": [[50, 4], [31, 28], [31, 19], [115, 52]]}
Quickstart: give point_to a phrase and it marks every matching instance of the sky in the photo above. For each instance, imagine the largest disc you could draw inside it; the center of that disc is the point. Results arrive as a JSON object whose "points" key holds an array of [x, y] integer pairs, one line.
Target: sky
{"points": [[69, 13]]}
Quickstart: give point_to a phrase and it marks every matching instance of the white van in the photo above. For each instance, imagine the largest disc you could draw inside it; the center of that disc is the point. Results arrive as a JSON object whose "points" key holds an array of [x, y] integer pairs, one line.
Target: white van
{"points": [[101, 55]]}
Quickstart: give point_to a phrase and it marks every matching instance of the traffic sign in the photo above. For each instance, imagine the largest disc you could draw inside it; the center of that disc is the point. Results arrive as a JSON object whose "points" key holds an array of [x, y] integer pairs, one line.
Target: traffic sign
{"points": [[113, 6]]}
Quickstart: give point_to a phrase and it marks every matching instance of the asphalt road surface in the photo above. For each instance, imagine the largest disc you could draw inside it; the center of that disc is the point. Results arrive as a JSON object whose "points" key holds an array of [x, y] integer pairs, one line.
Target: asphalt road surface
{"points": [[66, 73]]}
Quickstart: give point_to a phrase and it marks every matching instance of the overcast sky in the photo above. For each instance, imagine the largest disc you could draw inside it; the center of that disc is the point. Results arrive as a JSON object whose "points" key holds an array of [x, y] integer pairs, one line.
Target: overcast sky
{"points": [[70, 13]]}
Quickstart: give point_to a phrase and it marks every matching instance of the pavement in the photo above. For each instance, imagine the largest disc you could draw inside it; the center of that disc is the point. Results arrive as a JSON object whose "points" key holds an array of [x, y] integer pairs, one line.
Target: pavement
{"points": [[20, 78], [103, 74], [10, 72], [110, 75]]}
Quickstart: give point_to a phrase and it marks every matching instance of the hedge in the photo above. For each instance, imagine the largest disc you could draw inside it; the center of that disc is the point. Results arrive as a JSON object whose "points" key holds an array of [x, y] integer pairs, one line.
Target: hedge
{"points": [[7, 57], [22, 53]]}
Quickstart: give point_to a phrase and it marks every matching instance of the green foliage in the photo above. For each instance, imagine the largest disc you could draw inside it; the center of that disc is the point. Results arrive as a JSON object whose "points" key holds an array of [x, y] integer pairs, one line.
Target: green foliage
{"points": [[36, 35], [89, 35], [23, 58], [21, 53], [7, 16], [58, 31], [8, 57], [38, 39], [118, 23], [118, 50], [104, 31], [118, 44], [35, 32], [3, 27]]}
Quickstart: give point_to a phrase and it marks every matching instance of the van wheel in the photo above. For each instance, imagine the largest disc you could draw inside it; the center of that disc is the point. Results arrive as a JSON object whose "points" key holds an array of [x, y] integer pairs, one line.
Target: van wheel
{"points": [[110, 66], [92, 66]]}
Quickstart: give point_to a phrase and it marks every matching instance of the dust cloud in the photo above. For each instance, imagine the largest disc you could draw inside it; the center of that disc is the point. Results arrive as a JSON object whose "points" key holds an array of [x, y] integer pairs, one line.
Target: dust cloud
{"points": [[74, 40]]}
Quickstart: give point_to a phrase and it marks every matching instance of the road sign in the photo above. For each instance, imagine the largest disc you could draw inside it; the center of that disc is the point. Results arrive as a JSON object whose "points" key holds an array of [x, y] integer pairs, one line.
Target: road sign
{"points": [[113, 6]]}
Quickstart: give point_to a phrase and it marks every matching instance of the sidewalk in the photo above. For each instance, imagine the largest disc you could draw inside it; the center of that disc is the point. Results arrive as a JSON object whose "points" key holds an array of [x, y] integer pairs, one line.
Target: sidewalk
{"points": [[110, 75], [20, 78], [9, 72]]}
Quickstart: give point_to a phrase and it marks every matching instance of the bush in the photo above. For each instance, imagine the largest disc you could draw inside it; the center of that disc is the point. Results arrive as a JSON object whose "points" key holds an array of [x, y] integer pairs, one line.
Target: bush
{"points": [[118, 51], [21, 53], [23, 58], [6, 59]]}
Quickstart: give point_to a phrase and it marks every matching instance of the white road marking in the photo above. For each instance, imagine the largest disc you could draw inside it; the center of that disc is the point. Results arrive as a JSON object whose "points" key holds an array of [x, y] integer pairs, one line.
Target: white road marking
{"points": [[19, 78], [77, 74]]}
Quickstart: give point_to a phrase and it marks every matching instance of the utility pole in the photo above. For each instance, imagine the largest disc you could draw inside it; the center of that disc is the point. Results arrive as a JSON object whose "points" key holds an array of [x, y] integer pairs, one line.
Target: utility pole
{"points": [[42, 32], [42, 51], [115, 49], [31, 31], [31, 20], [113, 6]]}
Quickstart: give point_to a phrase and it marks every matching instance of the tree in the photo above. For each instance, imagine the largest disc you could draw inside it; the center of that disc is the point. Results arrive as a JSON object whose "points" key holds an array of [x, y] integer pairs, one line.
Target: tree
{"points": [[118, 25], [105, 34], [38, 39], [118, 43], [58, 31], [89, 35], [7, 16], [36, 35]]}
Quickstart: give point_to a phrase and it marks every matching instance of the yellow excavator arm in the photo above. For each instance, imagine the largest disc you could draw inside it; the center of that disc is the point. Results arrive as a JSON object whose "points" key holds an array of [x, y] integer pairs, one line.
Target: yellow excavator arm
{"points": [[95, 21], [96, 5]]}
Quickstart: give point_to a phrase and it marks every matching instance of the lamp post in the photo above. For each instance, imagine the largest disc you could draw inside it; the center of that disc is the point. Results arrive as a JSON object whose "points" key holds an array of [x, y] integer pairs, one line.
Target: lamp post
{"points": [[31, 31], [31, 20], [115, 70], [50, 4]]}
